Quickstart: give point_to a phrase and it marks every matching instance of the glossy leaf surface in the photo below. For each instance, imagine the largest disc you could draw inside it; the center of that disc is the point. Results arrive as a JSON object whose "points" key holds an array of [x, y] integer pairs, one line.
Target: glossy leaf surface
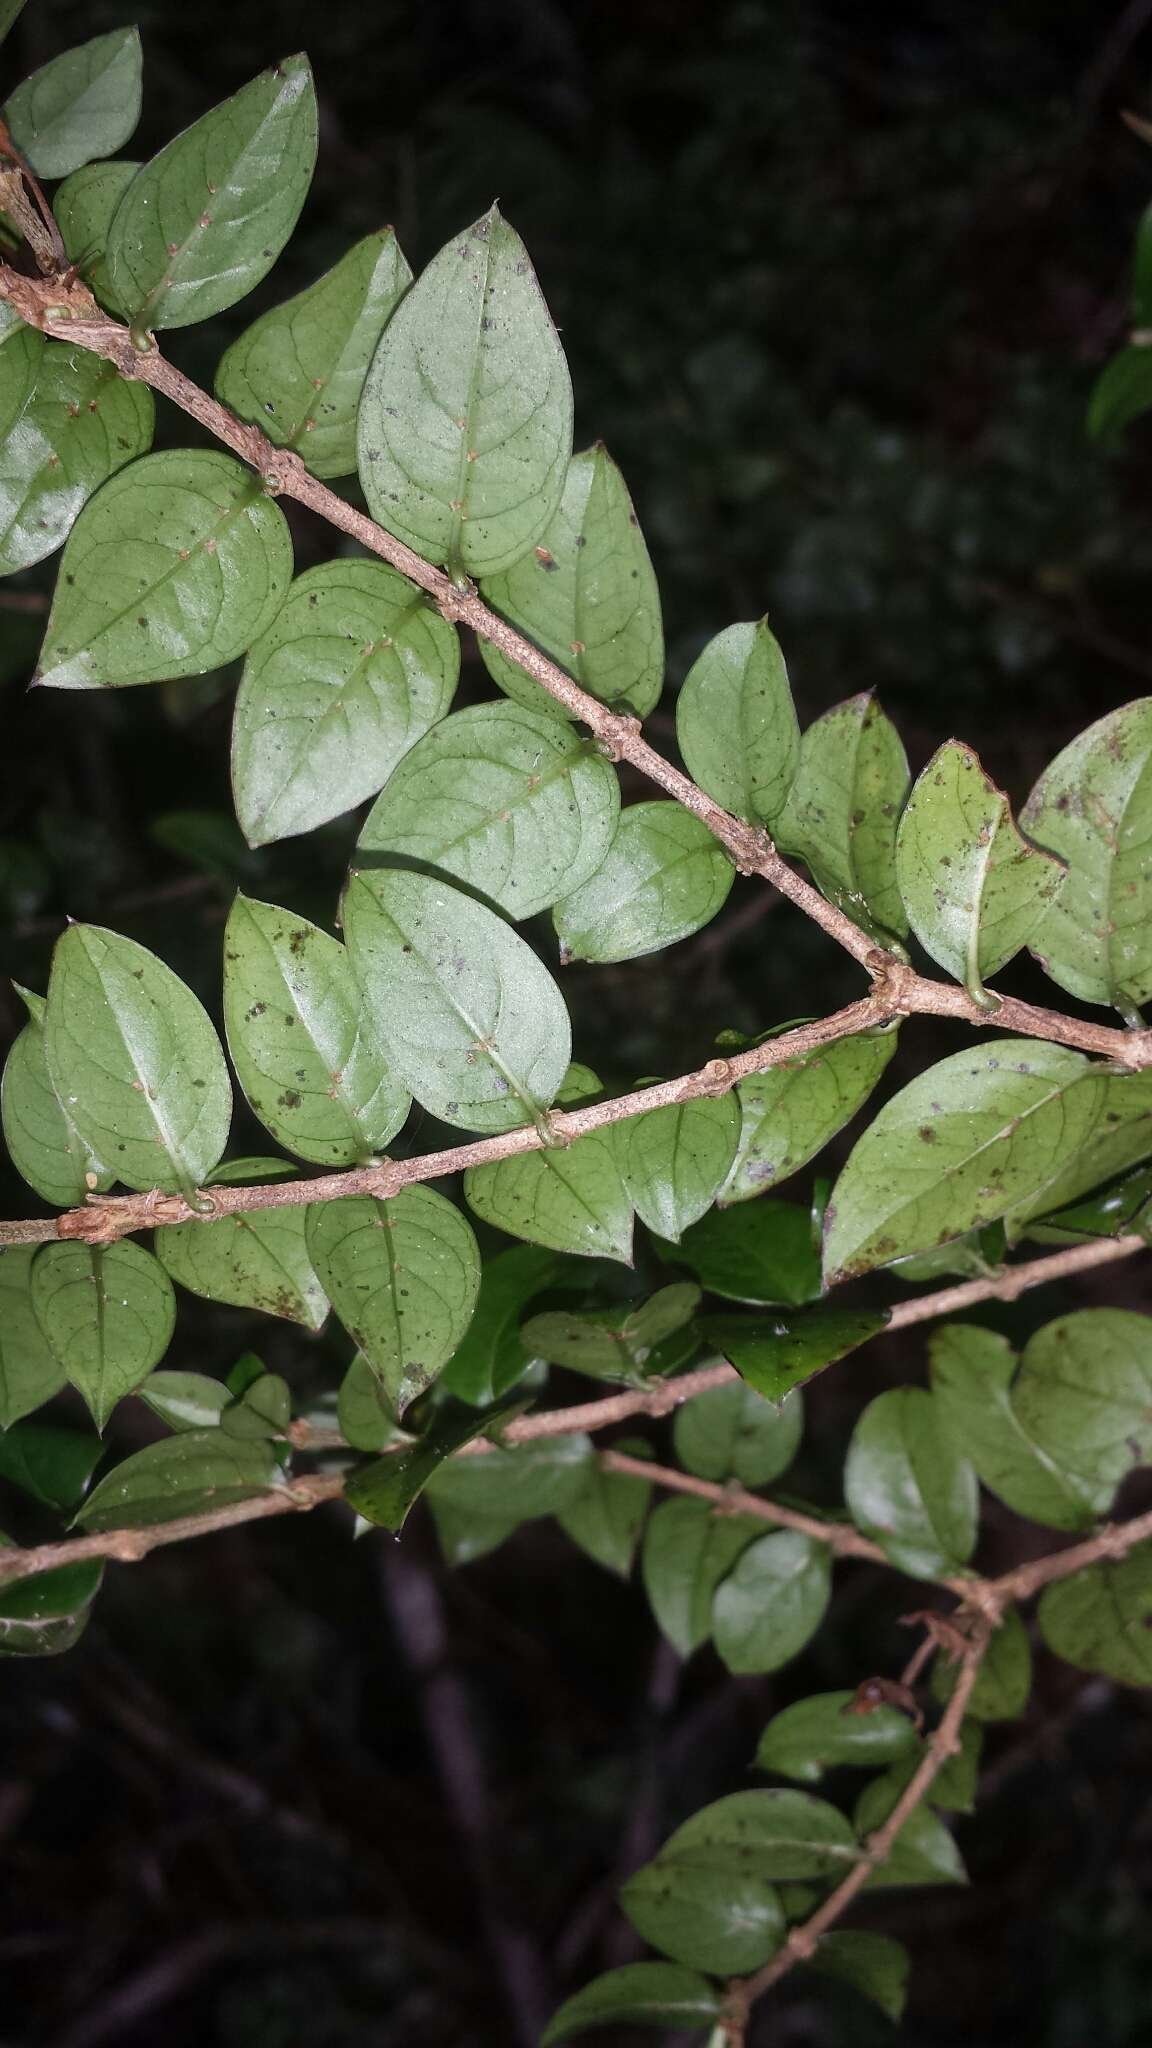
{"points": [[638, 1994], [829, 1730], [732, 1433], [83, 104], [909, 1486], [78, 423], [772, 1603], [688, 1550], [182, 1475]]}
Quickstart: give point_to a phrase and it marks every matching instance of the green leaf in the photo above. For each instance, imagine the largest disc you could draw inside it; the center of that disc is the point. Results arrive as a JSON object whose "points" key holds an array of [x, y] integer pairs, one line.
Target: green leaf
{"points": [[675, 1159], [731, 1433], [607, 1515], [638, 1995], [763, 1254], [52, 1465], [974, 890], [953, 1789], [909, 1486], [843, 809], [568, 1197], [1084, 1396], [923, 1852], [831, 1729], [264, 1409], [872, 1964], [489, 1358], [611, 1343], [206, 219], [185, 1400], [30, 1373], [10, 10], [298, 371], [135, 1060], [1122, 391], [182, 1475], [259, 1260], [80, 423], [736, 723], [465, 1533], [587, 595], [1101, 1619], [1093, 807], [772, 1603], [466, 416], [538, 1478], [107, 1312], [362, 1411], [778, 1353], [511, 804], [48, 1613], [42, 1140], [1004, 1680], [965, 1142], [402, 1276], [303, 1041], [972, 1375], [84, 206], [475, 1026], [789, 1112], [176, 566], [663, 877], [1123, 1136], [782, 1834], [687, 1551], [722, 1917], [84, 103], [386, 1491], [352, 670]]}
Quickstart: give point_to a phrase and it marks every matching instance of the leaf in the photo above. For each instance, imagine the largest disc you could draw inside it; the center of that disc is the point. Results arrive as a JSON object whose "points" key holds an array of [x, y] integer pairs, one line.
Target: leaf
{"points": [[466, 416], [464, 1534], [362, 1411], [962, 1144], [78, 424], [264, 1409], [84, 103], [259, 1260], [586, 595], [1123, 1136], [725, 1919], [675, 1159], [607, 1515], [873, 1964], [638, 1995], [185, 1400], [1093, 807], [687, 1551], [772, 1603], [731, 1433], [736, 723], [953, 1789], [829, 1730], [1004, 1680], [402, 1276], [512, 805], [298, 371], [1084, 1396], [1121, 393], [10, 10], [614, 1343], [843, 809], [474, 1024], [53, 1466], [763, 1254], [974, 890], [107, 1312], [47, 1613], [778, 1353], [303, 1041], [1101, 1619], [570, 1198], [789, 1112], [909, 1486], [663, 877], [42, 1140], [135, 1061], [175, 567], [923, 1852], [84, 205], [538, 1478], [386, 1491], [782, 1834], [30, 1373], [205, 220], [352, 669], [489, 1358], [182, 1475], [972, 1375]]}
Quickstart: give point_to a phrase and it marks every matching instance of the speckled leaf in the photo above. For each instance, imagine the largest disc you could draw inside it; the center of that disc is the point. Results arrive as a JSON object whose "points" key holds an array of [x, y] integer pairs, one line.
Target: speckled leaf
{"points": [[789, 1112], [298, 371], [30, 1372], [732, 1433], [490, 1357], [84, 206], [639, 1994], [1101, 1619], [776, 1353], [973, 1371], [687, 1551], [736, 723], [607, 1515], [785, 1835], [586, 595], [1122, 1138], [466, 415], [349, 674], [974, 890], [772, 1603], [43, 1143], [663, 877], [716, 1914], [1084, 1396], [909, 1486], [843, 809], [256, 1261], [474, 1025], [568, 1197], [107, 1313], [135, 1061], [184, 1475], [761, 1255], [829, 1730], [514, 806], [82, 104], [961, 1145], [402, 1276], [46, 1614], [175, 567], [79, 424], [206, 219], [675, 1159], [303, 1040]]}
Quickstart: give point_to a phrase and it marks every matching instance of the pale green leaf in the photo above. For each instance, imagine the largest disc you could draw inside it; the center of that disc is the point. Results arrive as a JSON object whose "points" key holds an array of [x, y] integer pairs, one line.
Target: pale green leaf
{"points": [[43, 1143], [675, 1159], [843, 810], [107, 1313], [732, 1433], [687, 1552], [259, 1260], [184, 1475], [1101, 1619], [736, 723], [79, 424], [638, 1995], [789, 1112], [972, 1380], [1084, 1396], [663, 877], [1122, 1138], [82, 104], [84, 206], [30, 1372], [570, 1198], [829, 1730], [909, 1486], [772, 1603]]}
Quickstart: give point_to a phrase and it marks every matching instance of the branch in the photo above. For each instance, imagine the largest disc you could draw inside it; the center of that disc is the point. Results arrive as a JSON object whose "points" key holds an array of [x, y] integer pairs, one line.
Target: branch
{"points": [[128, 1546], [1115, 1540], [840, 1537]]}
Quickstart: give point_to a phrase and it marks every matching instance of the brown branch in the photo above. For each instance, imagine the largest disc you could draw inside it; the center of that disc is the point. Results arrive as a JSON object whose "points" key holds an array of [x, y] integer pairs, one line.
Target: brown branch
{"points": [[840, 1537], [128, 1546], [1115, 1540]]}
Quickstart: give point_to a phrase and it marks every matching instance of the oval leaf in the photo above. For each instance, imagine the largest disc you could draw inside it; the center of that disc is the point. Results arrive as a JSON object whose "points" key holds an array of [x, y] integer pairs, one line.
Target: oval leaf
{"points": [[255, 1261], [48, 1613], [732, 1433], [736, 723], [688, 1549], [923, 1852], [1101, 1619], [183, 1475], [972, 1375], [84, 206], [663, 877], [516, 1485], [788, 1113], [909, 1486], [772, 1603], [762, 1255], [185, 1400], [84, 103], [107, 1312], [829, 1730], [607, 1515], [727, 1919], [675, 1159], [80, 422], [1084, 1397], [43, 1142], [30, 1372], [639, 1994], [843, 809], [784, 1834]]}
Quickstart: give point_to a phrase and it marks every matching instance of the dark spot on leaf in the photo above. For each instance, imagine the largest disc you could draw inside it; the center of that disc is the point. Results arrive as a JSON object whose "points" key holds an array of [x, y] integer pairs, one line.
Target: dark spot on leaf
{"points": [[290, 1099]]}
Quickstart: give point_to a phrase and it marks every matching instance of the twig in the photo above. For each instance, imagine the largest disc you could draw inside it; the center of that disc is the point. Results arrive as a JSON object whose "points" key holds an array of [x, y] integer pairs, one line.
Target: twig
{"points": [[1112, 1542], [128, 1546], [840, 1537]]}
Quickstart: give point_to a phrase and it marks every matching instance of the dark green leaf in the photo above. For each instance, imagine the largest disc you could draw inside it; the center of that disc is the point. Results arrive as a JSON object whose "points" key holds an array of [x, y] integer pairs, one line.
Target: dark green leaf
{"points": [[490, 1357], [843, 810], [610, 1343], [781, 1834], [84, 103], [362, 1411], [1004, 1679], [42, 1140], [873, 1964], [538, 1478], [663, 877], [183, 1475], [764, 1254], [725, 1918], [687, 1551], [788, 1113], [608, 1513], [84, 206], [48, 1613], [259, 1260], [80, 423], [30, 1373], [675, 1159], [777, 1353], [53, 1465], [831, 1729], [731, 1433], [909, 1486], [772, 1603], [1122, 1136], [1084, 1397], [1101, 1618], [264, 1409], [386, 1491], [972, 1379], [923, 1853], [466, 1533], [736, 723], [1122, 391], [185, 1400], [9, 12], [639, 1995], [107, 1313], [953, 1789]]}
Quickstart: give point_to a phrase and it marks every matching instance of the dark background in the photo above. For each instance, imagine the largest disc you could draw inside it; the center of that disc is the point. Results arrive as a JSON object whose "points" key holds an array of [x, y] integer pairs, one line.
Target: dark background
{"points": [[834, 281]]}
